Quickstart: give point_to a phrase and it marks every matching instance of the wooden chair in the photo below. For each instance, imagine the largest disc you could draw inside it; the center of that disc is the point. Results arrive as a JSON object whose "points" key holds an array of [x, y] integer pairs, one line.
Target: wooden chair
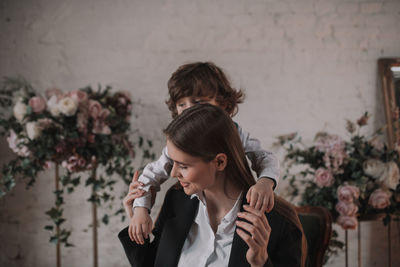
{"points": [[317, 227]]}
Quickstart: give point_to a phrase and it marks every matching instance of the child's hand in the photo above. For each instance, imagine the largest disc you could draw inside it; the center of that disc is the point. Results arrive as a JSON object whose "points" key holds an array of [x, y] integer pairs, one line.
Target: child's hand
{"points": [[261, 195], [134, 192], [140, 225]]}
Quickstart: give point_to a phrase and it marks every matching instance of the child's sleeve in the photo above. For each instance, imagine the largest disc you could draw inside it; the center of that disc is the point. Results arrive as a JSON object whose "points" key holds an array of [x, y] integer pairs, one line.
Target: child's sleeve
{"points": [[154, 174], [263, 162]]}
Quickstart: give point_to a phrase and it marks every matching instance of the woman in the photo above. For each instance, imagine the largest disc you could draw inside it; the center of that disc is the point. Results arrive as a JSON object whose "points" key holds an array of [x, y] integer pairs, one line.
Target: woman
{"points": [[203, 222]]}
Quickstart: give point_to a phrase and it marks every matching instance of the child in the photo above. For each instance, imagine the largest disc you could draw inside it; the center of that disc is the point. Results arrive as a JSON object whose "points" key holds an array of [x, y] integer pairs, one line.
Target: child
{"points": [[192, 84]]}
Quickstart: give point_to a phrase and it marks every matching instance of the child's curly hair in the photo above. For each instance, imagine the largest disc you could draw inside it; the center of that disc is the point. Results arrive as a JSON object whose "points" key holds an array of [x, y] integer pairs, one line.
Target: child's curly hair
{"points": [[203, 79]]}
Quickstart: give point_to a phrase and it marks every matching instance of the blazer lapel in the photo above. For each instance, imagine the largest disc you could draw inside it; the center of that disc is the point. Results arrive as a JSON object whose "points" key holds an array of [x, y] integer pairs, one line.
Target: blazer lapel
{"points": [[174, 234], [239, 247]]}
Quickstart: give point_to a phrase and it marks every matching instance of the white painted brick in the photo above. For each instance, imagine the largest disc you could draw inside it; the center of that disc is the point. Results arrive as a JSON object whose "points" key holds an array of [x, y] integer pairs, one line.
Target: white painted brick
{"points": [[381, 20], [306, 64], [391, 7], [348, 8], [322, 8], [371, 8], [297, 21], [306, 7], [277, 7]]}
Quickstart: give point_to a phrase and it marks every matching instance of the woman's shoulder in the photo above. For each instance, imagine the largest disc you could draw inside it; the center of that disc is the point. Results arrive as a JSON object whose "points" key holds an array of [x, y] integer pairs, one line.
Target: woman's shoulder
{"points": [[284, 214], [175, 194]]}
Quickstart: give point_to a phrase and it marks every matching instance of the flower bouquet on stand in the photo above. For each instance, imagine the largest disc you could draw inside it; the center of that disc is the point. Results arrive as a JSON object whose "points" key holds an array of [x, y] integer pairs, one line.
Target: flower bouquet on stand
{"points": [[81, 130], [353, 179]]}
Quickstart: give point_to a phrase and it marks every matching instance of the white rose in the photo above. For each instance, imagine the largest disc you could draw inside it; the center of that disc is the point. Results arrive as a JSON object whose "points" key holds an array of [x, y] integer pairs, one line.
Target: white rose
{"points": [[390, 176], [18, 144], [68, 106], [374, 168], [20, 110], [52, 106], [33, 130]]}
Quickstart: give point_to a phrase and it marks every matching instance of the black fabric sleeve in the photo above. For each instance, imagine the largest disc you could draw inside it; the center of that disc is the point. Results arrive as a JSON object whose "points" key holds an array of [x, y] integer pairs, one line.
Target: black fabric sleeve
{"points": [[289, 247], [144, 255]]}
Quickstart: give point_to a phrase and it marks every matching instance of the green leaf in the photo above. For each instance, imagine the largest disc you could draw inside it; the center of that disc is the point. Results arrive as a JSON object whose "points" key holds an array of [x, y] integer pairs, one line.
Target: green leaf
{"points": [[49, 227], [54, 239], [105, 219]]}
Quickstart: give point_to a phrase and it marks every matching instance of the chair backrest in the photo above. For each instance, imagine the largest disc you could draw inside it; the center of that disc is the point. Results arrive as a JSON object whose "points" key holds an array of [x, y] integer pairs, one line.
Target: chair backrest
{"points": [[317, 227]]}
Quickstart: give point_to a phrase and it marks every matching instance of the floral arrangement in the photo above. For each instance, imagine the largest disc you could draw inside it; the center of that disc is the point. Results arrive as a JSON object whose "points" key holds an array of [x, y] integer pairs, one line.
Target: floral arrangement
{"points": [[353, 179], [80, 130]]}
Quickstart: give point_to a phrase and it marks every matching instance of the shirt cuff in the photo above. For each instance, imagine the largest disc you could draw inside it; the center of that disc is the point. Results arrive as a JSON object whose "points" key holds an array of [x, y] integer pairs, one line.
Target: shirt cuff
{"points": [[144, 201]]}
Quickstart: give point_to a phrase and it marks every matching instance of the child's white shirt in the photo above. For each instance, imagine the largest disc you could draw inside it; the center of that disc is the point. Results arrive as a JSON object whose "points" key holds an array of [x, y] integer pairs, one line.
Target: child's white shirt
{"points": [[263, 162]]}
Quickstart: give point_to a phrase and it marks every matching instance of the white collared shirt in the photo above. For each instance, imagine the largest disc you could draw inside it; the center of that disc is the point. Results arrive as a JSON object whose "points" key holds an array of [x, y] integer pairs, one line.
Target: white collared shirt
{"points": [[204, 248]]}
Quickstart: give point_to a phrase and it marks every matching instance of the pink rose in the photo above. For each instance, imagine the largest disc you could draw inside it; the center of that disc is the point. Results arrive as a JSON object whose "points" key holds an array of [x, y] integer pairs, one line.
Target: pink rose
{"points": [[327, 143], [94, 108], [334, 161], [74, 163], [78, 95], [81, 162], [347, 222], [347, 209], [53, 91], [323, 177], [347, 193], [69, 165], [379, 199], [122, 100], [61, 147], [37, 104], [47, 164], [100, 125]]}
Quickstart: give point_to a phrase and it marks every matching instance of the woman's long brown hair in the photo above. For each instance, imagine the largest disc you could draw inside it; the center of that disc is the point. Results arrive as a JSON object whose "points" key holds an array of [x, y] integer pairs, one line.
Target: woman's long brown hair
{"points": [[204, 131]]}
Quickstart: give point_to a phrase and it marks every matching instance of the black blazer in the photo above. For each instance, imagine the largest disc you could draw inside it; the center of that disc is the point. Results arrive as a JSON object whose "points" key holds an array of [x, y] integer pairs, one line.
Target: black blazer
{"points": [[173, 224]]}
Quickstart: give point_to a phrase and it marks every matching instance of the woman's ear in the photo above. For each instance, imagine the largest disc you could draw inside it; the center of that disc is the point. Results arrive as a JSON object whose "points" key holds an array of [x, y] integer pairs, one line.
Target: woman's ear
{"points": [[221, 161]]}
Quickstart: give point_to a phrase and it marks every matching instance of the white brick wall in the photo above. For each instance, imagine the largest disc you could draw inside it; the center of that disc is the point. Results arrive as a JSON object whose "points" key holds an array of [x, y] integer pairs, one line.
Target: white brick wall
{"points": [[305, 65]]}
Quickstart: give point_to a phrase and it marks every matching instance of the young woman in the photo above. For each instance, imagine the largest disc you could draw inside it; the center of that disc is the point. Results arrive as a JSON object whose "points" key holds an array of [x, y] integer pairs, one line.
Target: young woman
{"points": [[205, 221]]}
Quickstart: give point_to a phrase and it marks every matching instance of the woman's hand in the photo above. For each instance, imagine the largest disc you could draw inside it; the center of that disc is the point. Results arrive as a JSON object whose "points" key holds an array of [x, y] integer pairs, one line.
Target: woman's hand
{"points": [[133, 193], [258, 239]]}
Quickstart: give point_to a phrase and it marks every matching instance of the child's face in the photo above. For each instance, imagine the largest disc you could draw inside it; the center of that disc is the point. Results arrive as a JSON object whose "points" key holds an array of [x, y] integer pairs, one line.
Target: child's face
{"points": [[188, 101]]}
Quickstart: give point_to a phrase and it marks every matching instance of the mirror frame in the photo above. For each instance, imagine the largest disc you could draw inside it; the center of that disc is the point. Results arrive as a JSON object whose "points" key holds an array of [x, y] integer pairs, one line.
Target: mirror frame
{"points": [[391, 107]]}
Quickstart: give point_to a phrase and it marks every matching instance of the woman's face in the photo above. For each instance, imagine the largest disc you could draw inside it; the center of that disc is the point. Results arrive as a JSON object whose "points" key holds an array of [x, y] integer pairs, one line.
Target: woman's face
{"points": [[193, 173]]}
